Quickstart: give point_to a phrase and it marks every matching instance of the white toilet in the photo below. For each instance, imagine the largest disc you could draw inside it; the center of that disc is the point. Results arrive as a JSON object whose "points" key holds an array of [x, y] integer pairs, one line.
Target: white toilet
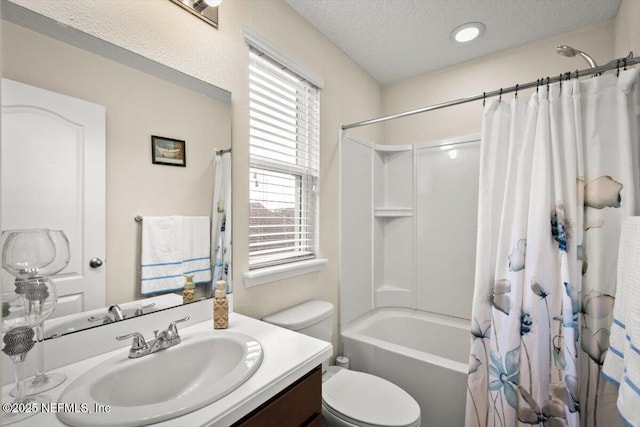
{"points": [[349, 398]]}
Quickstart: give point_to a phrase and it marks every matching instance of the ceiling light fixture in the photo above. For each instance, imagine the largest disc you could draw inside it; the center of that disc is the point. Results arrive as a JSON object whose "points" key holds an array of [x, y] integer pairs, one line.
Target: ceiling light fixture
{"points": [[207, 3], [467, 32], [207, 10]]}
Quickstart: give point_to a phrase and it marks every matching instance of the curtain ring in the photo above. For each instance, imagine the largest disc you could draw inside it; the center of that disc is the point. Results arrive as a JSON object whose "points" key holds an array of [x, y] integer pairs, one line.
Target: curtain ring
{"points": [[537, 85], [624, 60], [560, 81], [517, 85], [617, 68], [548, 84], [577, 74], [500, 97]]}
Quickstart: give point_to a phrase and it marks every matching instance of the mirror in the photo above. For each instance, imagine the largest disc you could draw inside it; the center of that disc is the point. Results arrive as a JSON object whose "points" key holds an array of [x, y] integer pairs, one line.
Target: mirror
{"points": [[139, 99]]}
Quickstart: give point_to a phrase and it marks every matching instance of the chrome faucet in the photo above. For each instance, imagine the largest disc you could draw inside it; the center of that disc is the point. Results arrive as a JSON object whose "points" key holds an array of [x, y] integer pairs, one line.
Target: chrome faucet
{"points": [[115, 313], [162, 339]]}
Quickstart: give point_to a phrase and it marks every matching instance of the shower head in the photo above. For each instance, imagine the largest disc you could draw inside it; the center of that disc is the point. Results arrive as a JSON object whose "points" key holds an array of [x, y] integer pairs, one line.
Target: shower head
{"points": [[569, 51]]}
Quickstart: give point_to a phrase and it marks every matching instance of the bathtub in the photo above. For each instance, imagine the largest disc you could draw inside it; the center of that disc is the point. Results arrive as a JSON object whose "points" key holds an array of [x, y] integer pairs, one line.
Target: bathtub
{"points": [[426, 354]]}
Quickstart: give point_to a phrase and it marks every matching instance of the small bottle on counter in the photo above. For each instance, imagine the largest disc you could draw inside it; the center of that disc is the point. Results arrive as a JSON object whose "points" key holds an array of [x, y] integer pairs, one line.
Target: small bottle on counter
{"points": [[220, 306], [188, 295]]}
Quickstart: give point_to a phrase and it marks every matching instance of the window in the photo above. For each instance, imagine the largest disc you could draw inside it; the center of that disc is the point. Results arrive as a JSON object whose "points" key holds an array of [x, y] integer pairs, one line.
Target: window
{"points": [[284, 147]]}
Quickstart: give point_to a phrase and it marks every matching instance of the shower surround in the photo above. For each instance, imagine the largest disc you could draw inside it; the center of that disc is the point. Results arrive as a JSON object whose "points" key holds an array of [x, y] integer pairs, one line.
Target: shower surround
{"points": [[408, 238]]}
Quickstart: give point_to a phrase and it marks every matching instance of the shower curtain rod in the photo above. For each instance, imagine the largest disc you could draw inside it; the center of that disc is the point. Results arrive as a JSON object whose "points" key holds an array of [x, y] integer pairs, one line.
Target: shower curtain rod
{"points": [[616, 63]]}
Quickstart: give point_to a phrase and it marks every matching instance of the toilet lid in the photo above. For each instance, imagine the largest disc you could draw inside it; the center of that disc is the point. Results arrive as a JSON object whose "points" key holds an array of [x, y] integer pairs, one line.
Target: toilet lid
{"points": [[370, 400]]}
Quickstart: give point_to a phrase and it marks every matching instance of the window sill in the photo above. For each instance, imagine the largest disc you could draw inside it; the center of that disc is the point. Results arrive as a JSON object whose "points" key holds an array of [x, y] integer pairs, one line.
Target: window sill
{"points": [[280, 272]]}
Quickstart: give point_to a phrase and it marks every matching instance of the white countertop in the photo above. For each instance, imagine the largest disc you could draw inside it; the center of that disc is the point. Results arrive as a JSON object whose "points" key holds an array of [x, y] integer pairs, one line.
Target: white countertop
{"points": [[287, 357]]}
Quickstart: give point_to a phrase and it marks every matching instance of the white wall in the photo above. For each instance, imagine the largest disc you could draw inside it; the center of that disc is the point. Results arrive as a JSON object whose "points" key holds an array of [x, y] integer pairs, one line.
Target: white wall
{"points": [[408, 227], [446, 224], [163, 32], [356, 222]]}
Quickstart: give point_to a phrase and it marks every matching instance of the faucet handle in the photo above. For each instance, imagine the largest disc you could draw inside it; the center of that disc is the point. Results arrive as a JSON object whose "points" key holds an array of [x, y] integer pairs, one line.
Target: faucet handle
{"points": [[139, 310], [138, 345], [172, 329]]}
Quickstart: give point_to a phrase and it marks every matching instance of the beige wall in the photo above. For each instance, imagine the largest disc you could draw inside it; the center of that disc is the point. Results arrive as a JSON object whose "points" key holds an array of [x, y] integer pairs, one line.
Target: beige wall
{"points": [[173, 37], [137, 106], [627, 29], [523, 64]]}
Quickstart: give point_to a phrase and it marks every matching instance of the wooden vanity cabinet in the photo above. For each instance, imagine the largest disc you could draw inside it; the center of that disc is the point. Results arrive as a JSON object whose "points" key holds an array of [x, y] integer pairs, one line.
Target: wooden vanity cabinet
{"points": [[298, 405]]}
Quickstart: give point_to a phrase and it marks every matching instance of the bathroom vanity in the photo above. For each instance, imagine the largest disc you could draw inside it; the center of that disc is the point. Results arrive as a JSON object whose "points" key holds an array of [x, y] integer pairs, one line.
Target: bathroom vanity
{"points": [[286, 386], [300, 404]]}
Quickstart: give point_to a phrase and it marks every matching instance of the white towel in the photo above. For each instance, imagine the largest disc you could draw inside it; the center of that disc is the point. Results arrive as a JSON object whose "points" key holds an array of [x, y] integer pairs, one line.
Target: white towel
{"points": [[622, 362], [197, 248], [171, 247], [162, 254]]}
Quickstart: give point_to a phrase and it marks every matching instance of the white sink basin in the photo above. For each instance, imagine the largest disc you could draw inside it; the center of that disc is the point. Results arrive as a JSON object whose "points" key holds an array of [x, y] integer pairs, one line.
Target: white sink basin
{"points": [[163, 385]]}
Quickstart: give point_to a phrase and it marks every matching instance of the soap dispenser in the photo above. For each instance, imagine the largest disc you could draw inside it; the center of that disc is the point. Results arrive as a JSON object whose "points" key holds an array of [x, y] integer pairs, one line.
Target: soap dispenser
{"points": [[220, 306], [188, 295]]}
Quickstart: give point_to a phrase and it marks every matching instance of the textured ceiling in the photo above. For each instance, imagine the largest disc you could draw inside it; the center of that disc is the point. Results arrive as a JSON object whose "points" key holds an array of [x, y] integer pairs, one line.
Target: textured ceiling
{"points": [[397, 39]]}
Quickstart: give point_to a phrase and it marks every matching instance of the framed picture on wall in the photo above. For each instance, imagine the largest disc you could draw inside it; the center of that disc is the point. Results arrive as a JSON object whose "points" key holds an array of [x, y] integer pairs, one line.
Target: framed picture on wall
{"points": [[168, 151]]}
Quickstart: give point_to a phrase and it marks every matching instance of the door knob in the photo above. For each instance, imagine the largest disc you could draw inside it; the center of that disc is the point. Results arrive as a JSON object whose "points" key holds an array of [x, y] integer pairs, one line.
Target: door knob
{"points": [[95, 262]]}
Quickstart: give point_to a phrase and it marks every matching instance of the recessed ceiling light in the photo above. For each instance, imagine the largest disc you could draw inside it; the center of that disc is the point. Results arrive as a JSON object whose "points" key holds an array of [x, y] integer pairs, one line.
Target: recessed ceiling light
{"points": [[467, 32]]}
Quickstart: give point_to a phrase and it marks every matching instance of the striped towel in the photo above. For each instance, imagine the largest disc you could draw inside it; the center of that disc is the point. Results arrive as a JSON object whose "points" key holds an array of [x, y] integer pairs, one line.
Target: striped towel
{"points": [[197, 248], [622, 362], [171, 247]]}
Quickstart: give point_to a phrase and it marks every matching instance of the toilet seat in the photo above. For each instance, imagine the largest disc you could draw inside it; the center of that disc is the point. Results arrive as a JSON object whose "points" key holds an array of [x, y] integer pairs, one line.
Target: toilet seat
{"points": [[366, 400]]}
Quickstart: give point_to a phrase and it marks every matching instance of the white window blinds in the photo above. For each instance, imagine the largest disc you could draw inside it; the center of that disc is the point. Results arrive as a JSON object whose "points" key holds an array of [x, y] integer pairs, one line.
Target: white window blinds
{"points": [[284, 156]]}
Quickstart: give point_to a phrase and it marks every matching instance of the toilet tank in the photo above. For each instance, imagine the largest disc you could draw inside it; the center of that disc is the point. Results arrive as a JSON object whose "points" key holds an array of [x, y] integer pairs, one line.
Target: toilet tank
{"points": [[313, 318]]}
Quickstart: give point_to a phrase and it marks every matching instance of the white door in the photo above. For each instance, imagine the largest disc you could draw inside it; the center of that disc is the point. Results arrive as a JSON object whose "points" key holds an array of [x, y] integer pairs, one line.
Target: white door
{"points": [[53, 176]]}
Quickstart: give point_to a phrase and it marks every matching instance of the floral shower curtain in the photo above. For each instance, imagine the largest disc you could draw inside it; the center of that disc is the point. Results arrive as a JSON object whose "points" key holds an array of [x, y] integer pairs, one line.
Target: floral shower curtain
{"points": [[221, 221], [558, 175]]}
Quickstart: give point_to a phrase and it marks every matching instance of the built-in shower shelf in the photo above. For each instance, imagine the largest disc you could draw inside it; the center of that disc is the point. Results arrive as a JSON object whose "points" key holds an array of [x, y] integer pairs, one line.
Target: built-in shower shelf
{"points": [[380, 148], [393, 212]]}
